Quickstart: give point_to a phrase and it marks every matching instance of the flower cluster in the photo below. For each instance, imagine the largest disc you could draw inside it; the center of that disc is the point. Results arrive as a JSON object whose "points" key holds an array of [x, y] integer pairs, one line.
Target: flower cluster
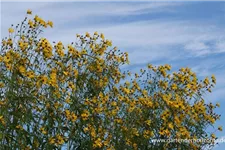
{"points": [[54, 95]]}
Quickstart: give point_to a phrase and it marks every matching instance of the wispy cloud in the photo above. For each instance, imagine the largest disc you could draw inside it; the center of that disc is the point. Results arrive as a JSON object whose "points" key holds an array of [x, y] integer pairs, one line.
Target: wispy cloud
{"points": [[202, 47], [154, 40], [79, 10], [220, 45], [198, 48]]}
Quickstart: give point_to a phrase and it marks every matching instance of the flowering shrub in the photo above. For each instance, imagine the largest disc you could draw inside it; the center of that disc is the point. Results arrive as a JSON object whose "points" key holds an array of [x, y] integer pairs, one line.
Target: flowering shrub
{"points": [[75, 96]]}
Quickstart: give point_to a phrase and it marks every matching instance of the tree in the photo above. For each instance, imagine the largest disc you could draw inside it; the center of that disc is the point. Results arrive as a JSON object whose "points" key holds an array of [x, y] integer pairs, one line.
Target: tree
{"points": [[76, 96]]}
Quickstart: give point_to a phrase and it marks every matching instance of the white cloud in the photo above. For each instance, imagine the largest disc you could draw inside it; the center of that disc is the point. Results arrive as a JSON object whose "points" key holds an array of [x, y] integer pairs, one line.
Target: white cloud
{"points": [[202, 46], [153, 40], [198, 48], [220, 46], [73, 11]]}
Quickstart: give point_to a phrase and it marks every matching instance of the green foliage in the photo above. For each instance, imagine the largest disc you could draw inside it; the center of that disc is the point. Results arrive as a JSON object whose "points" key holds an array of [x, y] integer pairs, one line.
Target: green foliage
{"points": [[75, 96]]}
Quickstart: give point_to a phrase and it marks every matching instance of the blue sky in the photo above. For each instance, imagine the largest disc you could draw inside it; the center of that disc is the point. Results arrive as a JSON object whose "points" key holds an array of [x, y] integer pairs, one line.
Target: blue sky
{"points": [[183, 34]]}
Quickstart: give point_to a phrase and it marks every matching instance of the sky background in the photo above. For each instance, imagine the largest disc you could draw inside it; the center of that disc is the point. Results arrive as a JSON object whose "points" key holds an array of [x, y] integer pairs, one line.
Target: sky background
{"points": [[183, 34]]}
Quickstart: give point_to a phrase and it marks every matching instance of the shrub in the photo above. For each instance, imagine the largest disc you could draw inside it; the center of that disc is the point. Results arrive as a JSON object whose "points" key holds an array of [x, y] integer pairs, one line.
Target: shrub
{"points": [[76, 96]]}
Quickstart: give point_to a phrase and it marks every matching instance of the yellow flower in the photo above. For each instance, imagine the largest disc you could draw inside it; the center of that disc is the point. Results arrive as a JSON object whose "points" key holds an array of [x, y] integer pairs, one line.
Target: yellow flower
{"points": [[42, 129], [113, 103], [206, 81], [102, 36], [128, 142], [85, 115], [51, 140], [86, 129], [170, 125], [60, 139], [22, 69], [109, 43], [145, 133], [135, 146], [213, 79], [65, 73], [98, 143], [135, 131], [87, 34], [148, 122], [29, 12], [68, 101], [50, 23], [11, 30], [36, 18], [174, 86], [168, 67], [2, 121], [1, 84], [78, 35], [71, 85], [73, 117], [75, 73], [19, 127], [30, 74], [67, 113], [213, 136], [30, 22], [96, 33], [220, 128], [217, 104], [43, 79]]}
